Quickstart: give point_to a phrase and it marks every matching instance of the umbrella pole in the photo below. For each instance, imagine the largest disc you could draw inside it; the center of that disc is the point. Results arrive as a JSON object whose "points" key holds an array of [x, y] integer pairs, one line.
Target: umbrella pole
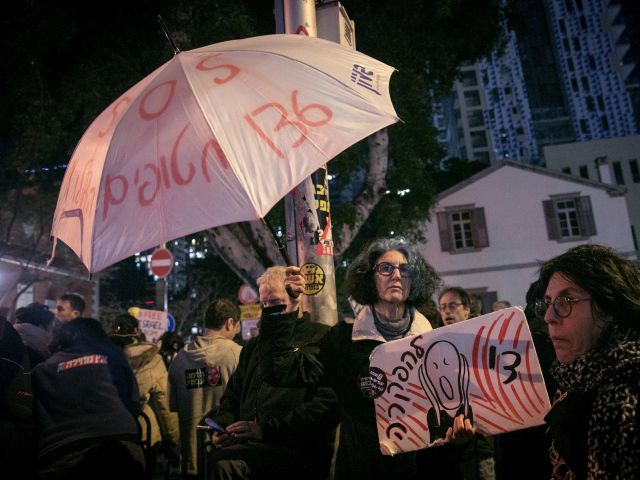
{"points": [[176, 50], [282, 247]]}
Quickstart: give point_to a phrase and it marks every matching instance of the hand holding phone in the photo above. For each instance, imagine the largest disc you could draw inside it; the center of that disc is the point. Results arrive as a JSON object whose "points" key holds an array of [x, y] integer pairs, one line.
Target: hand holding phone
{"points": [[212, 425]]}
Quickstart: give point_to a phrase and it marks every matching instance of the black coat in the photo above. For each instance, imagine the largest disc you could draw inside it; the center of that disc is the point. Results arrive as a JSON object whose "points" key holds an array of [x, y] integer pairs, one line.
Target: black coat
{"points": [[301, 417]]}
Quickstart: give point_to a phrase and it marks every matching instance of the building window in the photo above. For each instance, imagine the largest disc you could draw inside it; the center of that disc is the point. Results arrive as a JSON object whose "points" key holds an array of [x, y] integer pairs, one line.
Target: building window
{"points": [[600, 102], [591, 106], [569, 218], [583, 22], [635, 173], [568, 4], [462, 230], [567, 170], [584, 171], [574, 85], [563, 26], [468, 78], [478, 139], [565, 44], [617, 172], [472, 99], [584, 126], [570, 64], [576, 44], [585, 83], [475, 118], [605, 123], [592, 61]]}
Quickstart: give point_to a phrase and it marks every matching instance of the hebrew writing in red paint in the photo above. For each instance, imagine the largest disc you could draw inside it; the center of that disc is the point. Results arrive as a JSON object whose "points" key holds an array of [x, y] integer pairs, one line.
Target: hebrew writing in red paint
{"points": [[485, 368]]}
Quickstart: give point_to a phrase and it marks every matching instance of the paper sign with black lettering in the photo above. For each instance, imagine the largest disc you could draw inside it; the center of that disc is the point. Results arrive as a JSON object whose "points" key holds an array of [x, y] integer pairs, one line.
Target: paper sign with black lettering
{"points": [[485, 368]]}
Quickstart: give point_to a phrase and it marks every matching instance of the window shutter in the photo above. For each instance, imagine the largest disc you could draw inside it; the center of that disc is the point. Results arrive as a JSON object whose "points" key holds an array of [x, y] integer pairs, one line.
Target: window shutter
{"points": [[446, 242], [585, 212], [550, 218], [479, 228], [488, 299]]}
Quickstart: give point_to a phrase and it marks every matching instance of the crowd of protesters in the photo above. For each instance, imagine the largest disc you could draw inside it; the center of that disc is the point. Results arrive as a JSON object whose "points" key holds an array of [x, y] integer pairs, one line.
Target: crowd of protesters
{"points": [[83, 400]]}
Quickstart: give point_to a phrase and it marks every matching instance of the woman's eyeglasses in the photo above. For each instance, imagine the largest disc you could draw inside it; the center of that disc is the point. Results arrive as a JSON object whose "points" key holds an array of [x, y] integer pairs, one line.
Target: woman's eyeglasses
{"points": [[562, 306], [386, 269]]}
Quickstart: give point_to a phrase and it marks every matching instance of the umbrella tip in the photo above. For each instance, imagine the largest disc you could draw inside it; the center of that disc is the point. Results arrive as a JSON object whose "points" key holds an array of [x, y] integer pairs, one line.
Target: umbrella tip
{"points": [[176, 50]]}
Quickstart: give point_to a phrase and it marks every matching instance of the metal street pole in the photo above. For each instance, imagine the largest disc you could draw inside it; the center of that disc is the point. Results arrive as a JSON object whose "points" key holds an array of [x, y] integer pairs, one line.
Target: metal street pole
{"points": [[307, 207]]}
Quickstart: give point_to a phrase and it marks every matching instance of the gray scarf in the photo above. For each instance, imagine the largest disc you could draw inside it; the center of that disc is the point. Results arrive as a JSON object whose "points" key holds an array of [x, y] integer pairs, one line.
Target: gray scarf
{"points": [[393, 330]]}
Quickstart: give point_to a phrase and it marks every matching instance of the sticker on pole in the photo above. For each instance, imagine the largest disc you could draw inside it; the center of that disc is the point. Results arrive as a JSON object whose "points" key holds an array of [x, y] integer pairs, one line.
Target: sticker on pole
{"points": [[314, 278], [161, 262]]}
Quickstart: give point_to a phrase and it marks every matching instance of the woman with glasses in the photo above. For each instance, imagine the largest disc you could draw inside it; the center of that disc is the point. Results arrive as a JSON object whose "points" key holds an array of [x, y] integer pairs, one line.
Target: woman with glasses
{"points": [[386, 280], [591, 306]]}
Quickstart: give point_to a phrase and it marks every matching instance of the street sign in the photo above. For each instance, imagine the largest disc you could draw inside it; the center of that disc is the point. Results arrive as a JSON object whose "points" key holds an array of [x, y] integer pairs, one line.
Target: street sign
{"points": [[161, 262], [250, 312], [247, 295]]}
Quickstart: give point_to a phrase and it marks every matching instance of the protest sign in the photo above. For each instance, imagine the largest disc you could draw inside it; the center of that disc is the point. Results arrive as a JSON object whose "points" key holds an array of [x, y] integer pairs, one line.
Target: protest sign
{"points": [[485, 368], [153, 323]]}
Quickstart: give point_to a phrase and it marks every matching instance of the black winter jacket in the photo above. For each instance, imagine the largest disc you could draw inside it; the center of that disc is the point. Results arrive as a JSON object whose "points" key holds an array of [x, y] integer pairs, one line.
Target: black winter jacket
{"points": [[300, 417]]}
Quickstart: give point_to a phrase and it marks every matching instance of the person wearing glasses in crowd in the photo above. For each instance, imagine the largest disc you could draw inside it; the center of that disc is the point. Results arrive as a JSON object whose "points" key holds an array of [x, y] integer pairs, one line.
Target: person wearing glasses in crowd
{"points": [[591, 306], [455, 305], [386, 280]]}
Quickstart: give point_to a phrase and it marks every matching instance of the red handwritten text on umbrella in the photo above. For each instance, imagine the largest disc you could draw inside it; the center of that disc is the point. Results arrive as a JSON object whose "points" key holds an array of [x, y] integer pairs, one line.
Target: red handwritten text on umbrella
{"points": [[117, 187], [262, 114], [284, 121], [232, 69]]}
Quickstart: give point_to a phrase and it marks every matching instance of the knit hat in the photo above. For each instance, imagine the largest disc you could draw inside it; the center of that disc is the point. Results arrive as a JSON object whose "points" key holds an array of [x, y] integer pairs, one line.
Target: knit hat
{"points": [[35, 313]]}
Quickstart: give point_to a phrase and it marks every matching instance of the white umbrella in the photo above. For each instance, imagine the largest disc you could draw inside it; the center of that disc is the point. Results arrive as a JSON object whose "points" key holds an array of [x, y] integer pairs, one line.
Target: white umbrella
{"points": [[217, 135]]}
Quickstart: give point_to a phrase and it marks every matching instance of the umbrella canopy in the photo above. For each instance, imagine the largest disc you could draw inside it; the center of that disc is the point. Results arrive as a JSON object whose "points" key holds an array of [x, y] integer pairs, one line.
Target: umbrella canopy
{"points": [[216, 135]]}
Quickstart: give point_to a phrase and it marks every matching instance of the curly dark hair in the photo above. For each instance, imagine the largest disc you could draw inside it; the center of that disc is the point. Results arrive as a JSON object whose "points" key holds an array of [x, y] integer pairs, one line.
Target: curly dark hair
{"points": [[612, 281], [360, 283]]}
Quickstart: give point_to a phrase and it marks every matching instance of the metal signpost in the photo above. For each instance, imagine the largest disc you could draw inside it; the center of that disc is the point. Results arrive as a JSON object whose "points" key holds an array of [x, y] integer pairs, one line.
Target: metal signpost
{"points": [[161, 266], [307, 207]]}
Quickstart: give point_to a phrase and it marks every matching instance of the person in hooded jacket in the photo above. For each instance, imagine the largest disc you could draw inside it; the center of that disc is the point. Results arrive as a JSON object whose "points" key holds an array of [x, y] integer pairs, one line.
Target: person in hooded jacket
{"points": [[199, 373], [153, 383], [17, 450], [86, 403]]}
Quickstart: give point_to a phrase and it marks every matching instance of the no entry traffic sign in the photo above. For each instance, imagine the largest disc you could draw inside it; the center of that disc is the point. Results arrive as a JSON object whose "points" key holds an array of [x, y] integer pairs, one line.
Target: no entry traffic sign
{"points": [[161, 262]]}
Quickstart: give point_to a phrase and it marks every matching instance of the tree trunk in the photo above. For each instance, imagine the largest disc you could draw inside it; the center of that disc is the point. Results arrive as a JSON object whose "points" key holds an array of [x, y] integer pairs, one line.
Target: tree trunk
{"points": [[248, 248]]}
